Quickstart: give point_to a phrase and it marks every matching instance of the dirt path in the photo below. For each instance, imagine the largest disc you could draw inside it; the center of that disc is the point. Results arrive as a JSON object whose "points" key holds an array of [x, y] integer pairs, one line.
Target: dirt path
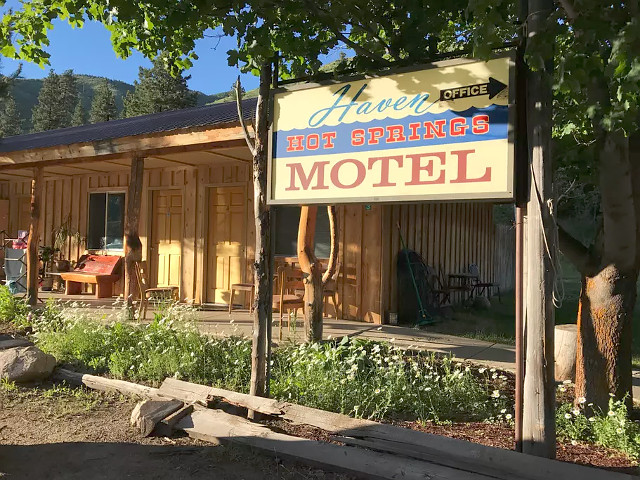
{"points": [[60, 433]]}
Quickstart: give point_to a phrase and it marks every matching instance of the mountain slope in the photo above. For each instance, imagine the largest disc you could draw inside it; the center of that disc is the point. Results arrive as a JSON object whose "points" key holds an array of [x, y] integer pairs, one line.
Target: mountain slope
{"points": [[25, 92]]}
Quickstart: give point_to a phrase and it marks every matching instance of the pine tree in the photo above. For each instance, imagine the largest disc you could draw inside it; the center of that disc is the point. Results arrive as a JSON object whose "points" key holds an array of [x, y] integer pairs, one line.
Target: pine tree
{"points": [[157, 91], [10, 121], [103, 106], [68, 97], [79, 117], [48, 113]]}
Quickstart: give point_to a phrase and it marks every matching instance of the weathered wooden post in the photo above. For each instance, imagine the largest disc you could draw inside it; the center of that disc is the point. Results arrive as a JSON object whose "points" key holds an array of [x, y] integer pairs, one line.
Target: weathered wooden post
{"points": [[539, 388], [133, 245], [263, 279], [312, 270], [33, 262]]}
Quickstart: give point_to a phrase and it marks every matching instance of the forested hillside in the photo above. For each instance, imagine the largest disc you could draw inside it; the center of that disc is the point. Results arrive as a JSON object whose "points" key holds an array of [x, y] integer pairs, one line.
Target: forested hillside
{"points": [[25, 92]]}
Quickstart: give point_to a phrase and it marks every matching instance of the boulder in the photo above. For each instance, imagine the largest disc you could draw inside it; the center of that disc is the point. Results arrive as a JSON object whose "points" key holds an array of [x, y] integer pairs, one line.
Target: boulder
{"points": [[481, 303], [25, 364]]}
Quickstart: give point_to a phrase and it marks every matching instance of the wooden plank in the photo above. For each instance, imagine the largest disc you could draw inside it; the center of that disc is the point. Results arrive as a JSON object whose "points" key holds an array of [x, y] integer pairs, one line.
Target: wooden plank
{"points": [[83, 222], [371, 265], [216, 426], [76, 199], [148, 413], [49, 195], [167, 426], [201, 228], [189, 242]]}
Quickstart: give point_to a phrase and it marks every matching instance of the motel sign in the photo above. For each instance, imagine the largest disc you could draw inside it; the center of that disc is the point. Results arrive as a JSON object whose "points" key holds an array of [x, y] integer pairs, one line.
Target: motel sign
{"points": [[442, 133]]}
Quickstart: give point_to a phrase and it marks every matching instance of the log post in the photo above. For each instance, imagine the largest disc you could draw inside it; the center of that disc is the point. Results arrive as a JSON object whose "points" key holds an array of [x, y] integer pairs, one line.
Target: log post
{"points": [[263, 276], [133, 245], [538, 425], [33, 261]]}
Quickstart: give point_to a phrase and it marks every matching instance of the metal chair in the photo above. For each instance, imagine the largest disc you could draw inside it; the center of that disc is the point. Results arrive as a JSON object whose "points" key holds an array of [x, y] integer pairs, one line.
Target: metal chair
{"points": [[481, 286]]}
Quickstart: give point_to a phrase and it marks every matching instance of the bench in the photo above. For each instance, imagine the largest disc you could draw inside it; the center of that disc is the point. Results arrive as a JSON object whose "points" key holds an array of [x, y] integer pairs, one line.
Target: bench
{"points": [[99, 270]]}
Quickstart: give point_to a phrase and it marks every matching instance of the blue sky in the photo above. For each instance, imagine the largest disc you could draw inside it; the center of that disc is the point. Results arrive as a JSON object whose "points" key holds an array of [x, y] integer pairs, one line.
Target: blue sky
{"points": [[88, 51]]}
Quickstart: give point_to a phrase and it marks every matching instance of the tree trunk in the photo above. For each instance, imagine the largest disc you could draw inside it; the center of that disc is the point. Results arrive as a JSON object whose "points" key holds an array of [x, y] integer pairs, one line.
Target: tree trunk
{"points": [[312, 271], [609, 276], [133, 245], [263, 278], [33, 262], [605, 315]]}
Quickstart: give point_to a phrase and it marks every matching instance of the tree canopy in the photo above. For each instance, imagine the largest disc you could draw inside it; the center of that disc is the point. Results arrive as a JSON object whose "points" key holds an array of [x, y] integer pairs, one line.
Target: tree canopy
{"points": [[157, 90], [103, 105]]}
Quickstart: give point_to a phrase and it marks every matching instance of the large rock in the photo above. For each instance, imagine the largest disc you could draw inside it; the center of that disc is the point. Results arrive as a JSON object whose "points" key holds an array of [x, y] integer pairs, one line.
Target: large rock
{"points": [[25, 364], [8, 341]]}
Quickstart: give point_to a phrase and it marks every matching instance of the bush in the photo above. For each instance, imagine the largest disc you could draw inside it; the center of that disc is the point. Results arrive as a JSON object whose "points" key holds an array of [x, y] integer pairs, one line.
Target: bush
{"points": [[378, 380], [361, 378], [611, 429], [13, 309]]}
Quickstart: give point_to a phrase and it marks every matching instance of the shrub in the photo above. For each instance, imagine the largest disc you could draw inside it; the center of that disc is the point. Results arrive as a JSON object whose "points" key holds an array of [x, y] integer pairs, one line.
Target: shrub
{"points": [[378, 380], [13, 309], [611, 429]]}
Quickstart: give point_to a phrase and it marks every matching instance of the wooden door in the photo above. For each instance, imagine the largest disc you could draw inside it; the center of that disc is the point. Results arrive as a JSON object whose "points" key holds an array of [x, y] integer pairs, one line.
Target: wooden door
{"points": [[166, 237], [225, 241]]}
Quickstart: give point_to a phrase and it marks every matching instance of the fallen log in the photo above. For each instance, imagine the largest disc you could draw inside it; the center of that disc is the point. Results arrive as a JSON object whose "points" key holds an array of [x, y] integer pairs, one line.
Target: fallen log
{"points": [[104, 384], [148, 413], [217, 426], [448, 452], [452, 452]]}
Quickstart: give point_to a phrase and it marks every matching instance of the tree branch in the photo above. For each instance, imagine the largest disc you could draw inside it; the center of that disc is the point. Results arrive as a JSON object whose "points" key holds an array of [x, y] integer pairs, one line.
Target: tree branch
{"points": [[579, 255], [570, 10], [335, 246], [250, 141]]}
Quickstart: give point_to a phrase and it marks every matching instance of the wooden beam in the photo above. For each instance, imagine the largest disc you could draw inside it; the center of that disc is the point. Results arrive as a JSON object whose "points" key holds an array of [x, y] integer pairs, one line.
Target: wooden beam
{"points": [[104, 384], [33, 262], [216, 426], [230, 157], [154, 144], [133, 245]]}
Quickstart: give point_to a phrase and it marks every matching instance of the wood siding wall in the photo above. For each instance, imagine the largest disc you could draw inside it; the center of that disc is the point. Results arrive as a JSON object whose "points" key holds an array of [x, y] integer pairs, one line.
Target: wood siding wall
{"points": [[448, 236]]}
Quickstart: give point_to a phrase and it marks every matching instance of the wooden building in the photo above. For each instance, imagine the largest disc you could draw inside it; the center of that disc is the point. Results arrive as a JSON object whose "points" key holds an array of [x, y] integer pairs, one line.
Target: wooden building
{"points": [[196, 212]]}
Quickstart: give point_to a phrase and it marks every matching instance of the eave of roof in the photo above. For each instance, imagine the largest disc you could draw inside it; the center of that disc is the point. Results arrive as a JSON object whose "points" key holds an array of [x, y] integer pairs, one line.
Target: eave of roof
{"points": [[207, 115]]}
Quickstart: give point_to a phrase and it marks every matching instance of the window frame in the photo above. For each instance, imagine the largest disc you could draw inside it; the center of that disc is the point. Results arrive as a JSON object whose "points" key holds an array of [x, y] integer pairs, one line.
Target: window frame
{"points": [[106, 192]]}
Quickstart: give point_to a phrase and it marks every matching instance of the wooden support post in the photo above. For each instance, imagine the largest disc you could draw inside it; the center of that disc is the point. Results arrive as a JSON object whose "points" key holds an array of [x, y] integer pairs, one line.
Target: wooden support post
{"points": [[311, 269], [133, 245], [263, 279], [33, 261], [539, 387]]}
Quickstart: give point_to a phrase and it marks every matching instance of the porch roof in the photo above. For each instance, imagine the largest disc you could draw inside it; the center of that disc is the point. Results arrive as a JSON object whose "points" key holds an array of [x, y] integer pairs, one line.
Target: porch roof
{"points": [[207, 115]]}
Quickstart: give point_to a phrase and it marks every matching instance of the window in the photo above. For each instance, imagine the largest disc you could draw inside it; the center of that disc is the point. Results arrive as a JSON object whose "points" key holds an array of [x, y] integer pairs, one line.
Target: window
{"points": [[287, 221], [106, 221]]}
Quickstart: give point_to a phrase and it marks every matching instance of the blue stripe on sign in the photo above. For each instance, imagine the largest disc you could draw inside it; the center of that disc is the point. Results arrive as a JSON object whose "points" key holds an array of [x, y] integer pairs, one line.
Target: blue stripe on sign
{"points": [[498, 129]]}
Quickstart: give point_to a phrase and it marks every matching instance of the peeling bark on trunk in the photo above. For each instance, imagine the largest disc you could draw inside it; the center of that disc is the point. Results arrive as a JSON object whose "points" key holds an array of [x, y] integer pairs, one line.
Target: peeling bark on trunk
{"points": [[312, 271], [33, 261], [609, 275], [263, 277], [605, 315]]}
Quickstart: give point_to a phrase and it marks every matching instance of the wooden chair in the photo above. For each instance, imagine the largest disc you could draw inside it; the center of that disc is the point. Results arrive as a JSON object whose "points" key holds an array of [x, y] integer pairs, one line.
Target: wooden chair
{"points": [[290, 293], [156, 293], [330, 290], [438, 290], [242, 287], [481, 286]]}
